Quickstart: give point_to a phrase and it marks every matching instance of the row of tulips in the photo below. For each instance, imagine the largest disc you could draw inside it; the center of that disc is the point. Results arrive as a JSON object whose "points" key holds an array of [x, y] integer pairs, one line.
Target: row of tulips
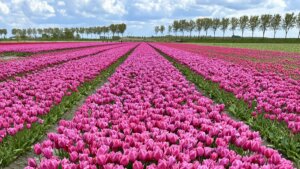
{"points": [[20, 66], [282, 63], [277, 97], [39, 47], [25, 100], [149, 115]]}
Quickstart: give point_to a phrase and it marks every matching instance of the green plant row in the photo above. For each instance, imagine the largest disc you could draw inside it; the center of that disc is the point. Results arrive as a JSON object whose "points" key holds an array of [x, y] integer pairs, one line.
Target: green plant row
{"points": [[18, 54], [14, 146], [276, 134]]}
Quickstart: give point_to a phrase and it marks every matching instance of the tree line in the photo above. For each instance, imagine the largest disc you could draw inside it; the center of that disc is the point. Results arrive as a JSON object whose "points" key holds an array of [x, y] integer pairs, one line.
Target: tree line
{"points": [[264, 22], [67, 33]]}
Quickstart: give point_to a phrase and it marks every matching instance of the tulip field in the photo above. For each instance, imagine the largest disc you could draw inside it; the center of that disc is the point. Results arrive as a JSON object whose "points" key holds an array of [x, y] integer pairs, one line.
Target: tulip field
{"points": [[149, 105]]}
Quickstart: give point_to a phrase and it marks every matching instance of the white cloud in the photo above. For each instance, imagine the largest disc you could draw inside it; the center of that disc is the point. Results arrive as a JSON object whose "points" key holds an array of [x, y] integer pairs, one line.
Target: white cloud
{"points": [[4, 9], [86, 14], [41, 8], [114, 7], [63, 12], [61, 3], [165, 6], [275, 4]]}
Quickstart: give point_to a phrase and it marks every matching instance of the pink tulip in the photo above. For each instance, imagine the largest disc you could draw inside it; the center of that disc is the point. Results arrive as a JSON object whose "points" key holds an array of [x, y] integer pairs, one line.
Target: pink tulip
{"points": [[73, 156], [47, 152], [37, 149], [101, 159], [32, 163], [137, 165]]}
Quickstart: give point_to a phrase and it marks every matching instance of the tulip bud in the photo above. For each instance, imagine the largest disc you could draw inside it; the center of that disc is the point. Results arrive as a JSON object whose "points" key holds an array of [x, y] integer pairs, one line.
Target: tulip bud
{"points": [[73, 156], [37, 149], [47, 152], [101, 159], [137, 165], [32, 162], [124, 160]]}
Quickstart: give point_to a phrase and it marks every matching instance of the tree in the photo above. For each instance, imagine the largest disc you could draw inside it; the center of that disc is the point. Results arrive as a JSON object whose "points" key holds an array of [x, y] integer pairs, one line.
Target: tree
{"points": [[206, 24], [199, 25], [215, 25], [175, 27], [40, 31], [1, 32], [265, 21], [122, 28], [275, 23], [162, 29], [156, 30], [113, 29], [14, 31], [29, 32], [170, 29], [234, 22], [4, 32], [105, 30], [182, 26], [191, 26], [34, 32], [243, 22], [81, 31], [224, 25], [253, 23], [298, 24], [288, 22]]}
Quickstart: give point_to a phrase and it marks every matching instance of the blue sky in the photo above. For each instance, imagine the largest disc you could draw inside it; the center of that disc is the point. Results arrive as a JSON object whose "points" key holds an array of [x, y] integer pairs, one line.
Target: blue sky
{"points": [[140, 15]]}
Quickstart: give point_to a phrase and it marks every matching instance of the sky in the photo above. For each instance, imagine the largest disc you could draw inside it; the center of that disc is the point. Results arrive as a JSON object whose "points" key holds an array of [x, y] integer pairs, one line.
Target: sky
{"points": [[140, 15]]}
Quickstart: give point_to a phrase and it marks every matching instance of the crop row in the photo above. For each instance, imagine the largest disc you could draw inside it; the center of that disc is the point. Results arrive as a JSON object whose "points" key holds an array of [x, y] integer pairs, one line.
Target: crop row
{"points": [[14, 67], [282, 63], [21, 142], [148, 115], [38, 47], [273, 131], [24, 100], [277, 97]]}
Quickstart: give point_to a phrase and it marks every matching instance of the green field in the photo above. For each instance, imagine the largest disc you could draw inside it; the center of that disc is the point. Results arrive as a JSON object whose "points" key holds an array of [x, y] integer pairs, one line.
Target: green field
{"points": [[260, 46]]}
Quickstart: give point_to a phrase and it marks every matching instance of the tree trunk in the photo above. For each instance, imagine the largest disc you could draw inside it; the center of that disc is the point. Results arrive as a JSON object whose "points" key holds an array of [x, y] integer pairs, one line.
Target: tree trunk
{"points": [[299, 34], [286, 34], [263, 34], [223, 34], [190, 34], [242, 33], [206, 33], [199, 34], [214, 34], [274, 34], [252, 34]]}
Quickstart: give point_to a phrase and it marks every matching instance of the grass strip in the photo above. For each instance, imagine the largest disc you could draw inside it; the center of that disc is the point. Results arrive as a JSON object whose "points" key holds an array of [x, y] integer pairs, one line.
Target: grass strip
{"points": [[14, 146], [276, 134]]}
